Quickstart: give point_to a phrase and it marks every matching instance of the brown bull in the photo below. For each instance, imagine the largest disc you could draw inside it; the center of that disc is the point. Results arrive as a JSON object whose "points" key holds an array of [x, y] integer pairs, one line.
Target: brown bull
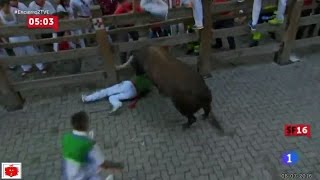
{"points": [[186, 88]]}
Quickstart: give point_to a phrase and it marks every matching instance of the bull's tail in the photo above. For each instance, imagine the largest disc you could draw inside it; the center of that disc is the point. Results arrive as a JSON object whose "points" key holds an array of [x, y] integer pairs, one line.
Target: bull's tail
{"points": [[212, 119]]}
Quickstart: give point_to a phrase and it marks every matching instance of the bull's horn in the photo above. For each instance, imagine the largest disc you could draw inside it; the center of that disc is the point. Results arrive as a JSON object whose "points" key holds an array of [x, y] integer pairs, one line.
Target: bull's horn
{"points": [[125, 65]]}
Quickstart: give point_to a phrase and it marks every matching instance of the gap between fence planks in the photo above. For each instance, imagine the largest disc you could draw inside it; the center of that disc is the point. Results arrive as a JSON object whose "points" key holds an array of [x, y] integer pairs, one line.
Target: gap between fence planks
{"points": [[163, 41], [246, 52], [306, 42], [59, 81], [47, 41], [49, 56]]}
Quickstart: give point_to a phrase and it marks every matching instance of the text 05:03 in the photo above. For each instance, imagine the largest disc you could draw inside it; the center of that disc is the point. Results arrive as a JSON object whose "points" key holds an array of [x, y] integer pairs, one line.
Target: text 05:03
{"points": [[296, 175]]}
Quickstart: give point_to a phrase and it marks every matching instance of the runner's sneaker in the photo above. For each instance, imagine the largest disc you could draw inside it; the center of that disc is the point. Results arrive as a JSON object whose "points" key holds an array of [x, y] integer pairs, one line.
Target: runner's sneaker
{"points": [[275, 21], [197, 27], [252, 27], [114, 110]]}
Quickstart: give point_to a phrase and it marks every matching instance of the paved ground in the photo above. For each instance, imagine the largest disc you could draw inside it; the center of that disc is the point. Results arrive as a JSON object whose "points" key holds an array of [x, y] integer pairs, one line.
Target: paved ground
{"points": [[253, 101]]}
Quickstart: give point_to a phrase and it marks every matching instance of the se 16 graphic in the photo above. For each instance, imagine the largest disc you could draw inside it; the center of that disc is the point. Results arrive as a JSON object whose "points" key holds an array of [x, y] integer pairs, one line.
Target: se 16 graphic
{"points": [[43, 22], [297, 130]]}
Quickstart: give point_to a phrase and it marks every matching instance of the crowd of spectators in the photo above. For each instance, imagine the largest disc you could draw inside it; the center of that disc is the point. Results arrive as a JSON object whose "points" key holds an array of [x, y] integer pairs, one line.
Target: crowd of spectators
{"points": [[74, 9]]}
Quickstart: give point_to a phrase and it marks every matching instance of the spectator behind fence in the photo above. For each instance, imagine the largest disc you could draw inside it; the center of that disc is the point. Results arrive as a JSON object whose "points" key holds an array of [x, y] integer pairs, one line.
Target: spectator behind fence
{"points": [[279, 19], [9, 18], [107, 6], [197, 14], [81, 9], [19, 5], [157, 8], [228, 23], [45, 5], [124, 6], [63, 6]]}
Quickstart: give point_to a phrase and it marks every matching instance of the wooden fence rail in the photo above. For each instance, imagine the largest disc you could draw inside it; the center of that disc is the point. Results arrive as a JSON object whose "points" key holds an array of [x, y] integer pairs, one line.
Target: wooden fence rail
{"points": [[142, 22]]}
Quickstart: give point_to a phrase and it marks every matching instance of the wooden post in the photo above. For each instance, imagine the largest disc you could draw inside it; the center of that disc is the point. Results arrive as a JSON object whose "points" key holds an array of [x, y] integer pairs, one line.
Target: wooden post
{"points": [[289, 36], [204, 61], [11, 100], [105, 50]]}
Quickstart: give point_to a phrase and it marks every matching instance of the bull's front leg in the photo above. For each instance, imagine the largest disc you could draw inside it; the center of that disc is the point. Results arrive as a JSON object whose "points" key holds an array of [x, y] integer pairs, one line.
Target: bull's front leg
{"points": [[191, 120]]}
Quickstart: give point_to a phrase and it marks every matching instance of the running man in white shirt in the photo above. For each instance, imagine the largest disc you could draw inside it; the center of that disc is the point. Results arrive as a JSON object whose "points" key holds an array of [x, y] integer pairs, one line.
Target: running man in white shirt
{"points": [[82, 157], [9, 18]]}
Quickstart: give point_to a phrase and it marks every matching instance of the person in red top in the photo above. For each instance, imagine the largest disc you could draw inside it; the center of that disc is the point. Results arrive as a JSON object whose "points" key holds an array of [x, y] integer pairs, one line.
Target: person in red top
{"points": [[125, 7], [228, 23]]}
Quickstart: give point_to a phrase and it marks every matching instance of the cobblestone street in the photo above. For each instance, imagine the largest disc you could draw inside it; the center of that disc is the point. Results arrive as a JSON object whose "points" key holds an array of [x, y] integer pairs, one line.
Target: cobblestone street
{"points": [[252, 101]]}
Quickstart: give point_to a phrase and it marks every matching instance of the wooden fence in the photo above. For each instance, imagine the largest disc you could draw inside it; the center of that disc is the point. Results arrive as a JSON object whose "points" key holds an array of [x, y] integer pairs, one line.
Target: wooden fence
{"points": [[142, 22]]}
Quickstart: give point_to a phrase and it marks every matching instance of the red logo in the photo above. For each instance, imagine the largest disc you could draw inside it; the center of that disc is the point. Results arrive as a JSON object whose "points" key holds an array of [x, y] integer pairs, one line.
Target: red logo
{"points": [[43, 22], [297, 130], [11, 171]]}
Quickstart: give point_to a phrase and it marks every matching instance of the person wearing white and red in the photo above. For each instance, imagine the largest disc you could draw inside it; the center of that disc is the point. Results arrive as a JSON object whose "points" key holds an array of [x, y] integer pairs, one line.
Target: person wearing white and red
{"points": [[63, 6], [42, 5], [81, 9], [9, 18], [19, 5], [124, 6]]}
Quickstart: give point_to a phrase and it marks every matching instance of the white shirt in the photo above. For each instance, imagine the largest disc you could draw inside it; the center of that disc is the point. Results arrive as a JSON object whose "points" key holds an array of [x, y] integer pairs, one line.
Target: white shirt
{"points": [[75, 171], [21, 17], [80, 8], [68, 10], [22, 6], [10, 19], [47, 6]]}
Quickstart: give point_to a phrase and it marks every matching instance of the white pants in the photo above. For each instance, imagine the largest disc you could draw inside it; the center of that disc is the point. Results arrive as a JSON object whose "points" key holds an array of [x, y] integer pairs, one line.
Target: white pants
{"points": [[116, 93], [197, 12], [155, 7], [25, 50], [257, 9]]}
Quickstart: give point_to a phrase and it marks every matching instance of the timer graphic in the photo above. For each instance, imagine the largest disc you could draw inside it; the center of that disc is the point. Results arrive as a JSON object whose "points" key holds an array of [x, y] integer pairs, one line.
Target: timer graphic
{"points": [[290, 158], [40, 22], [43, 22]]}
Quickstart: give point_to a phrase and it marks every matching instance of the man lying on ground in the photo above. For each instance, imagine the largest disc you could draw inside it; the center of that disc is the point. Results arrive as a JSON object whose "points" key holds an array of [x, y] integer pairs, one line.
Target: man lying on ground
{"points": [[136, 88]]}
